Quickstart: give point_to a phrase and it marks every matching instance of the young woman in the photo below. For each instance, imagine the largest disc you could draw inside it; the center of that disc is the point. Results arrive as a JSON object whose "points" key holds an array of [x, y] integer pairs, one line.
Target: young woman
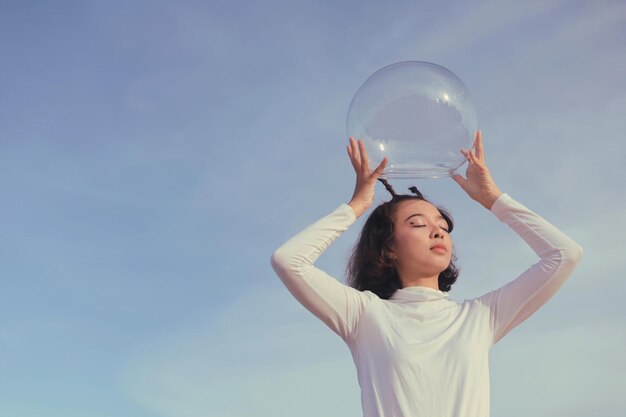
{"points": [[418, 353]]}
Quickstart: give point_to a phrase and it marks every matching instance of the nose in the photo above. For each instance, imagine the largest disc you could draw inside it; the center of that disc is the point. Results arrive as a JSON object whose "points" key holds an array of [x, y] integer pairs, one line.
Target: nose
{"points": [[437, 233]]}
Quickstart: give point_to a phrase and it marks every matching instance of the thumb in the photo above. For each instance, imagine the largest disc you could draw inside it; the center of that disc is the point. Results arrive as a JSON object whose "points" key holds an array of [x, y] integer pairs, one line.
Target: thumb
{"points": [[380, 168], [459, 180]]}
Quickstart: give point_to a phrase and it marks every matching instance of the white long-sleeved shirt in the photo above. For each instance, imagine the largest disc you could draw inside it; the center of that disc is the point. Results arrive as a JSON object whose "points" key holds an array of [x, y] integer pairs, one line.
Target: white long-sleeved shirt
{"points": [[420, 354]]}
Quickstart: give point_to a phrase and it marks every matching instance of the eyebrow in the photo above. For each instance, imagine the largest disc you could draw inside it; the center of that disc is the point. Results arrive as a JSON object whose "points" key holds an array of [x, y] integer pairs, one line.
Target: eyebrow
{"points": [[440, 217]]}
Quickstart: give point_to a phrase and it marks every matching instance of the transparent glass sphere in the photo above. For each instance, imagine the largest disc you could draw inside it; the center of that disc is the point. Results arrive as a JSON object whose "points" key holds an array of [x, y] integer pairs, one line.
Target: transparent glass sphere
{"points": [[417, 114]]}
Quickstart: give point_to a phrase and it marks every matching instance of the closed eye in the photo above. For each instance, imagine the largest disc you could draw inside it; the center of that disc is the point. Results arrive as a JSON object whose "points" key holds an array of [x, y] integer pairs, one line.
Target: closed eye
{"points": [[423, 225]]}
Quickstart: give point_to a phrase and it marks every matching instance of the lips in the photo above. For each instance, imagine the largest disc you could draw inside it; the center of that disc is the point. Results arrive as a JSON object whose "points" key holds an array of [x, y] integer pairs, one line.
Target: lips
{"points": [[439, 248]]}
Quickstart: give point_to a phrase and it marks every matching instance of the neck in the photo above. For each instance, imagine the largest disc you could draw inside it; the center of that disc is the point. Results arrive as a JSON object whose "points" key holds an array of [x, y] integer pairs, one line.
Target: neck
{"points": [[430, 282]]}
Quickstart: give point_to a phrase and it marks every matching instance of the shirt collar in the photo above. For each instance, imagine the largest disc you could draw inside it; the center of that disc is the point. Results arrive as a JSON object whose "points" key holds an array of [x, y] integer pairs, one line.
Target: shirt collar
{"points": [[418, 293]]}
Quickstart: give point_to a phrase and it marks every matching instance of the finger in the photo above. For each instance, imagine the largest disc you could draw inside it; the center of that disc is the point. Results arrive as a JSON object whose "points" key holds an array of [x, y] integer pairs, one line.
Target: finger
{"points": [[351, 155], [473, 158], [473, 147], [356, 158], [480, 152], [353, 161], [365, 161], [380, 168], [470, 156]]}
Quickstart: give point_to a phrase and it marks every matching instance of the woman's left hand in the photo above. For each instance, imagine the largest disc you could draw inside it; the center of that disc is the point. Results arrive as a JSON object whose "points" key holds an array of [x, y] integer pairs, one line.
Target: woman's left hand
{"points": [[478, 184]]}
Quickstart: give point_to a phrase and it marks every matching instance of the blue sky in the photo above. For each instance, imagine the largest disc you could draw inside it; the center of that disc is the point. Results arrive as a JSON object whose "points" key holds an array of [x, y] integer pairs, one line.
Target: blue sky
{"points": [[154, 153]]}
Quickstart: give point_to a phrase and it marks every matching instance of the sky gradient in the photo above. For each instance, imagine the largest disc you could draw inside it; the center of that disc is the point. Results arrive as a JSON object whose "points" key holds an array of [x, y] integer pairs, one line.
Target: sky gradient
{"points": [[154, 153]]}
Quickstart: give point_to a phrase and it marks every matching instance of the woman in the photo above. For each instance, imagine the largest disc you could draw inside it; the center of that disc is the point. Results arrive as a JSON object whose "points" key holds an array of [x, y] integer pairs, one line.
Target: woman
{"points": [[418, 353]]}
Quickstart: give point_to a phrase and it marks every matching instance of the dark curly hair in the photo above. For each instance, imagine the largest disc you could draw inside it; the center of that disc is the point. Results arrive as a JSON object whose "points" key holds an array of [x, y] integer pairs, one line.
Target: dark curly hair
{"points": [[370, 267]]}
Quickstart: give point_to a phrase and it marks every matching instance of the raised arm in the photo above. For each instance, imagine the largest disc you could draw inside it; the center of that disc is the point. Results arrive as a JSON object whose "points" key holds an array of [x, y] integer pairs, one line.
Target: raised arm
{"points": [[514, 302], [336, 304]]}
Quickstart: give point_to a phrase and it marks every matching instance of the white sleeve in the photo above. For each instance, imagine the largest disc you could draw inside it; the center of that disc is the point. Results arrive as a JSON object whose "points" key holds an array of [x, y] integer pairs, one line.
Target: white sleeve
{"points": [[514, 302], [336, 304]]}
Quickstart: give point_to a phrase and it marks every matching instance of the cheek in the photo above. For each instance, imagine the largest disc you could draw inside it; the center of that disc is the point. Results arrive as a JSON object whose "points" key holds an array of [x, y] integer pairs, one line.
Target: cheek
{"points": [[399, 247], [410, 247], [404, 242]]}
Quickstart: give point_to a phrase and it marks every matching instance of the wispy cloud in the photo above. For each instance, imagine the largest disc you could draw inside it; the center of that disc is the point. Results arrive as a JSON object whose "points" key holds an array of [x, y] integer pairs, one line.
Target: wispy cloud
{"points": [[155, 154], [576, 364], [262, 352]]}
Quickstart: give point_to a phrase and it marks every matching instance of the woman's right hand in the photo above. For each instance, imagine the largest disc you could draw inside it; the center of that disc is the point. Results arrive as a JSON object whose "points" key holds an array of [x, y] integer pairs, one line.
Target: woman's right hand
{"points": [[365, 178]]}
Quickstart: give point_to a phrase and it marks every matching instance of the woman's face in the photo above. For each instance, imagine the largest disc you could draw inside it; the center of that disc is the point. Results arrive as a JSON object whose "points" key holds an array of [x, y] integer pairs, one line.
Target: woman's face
{"points": [[422, 246]]}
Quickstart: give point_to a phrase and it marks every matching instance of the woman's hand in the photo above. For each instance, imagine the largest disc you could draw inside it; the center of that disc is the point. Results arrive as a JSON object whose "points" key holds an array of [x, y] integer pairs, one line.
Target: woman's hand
{"points": [[365, 179], [478, 183]]}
